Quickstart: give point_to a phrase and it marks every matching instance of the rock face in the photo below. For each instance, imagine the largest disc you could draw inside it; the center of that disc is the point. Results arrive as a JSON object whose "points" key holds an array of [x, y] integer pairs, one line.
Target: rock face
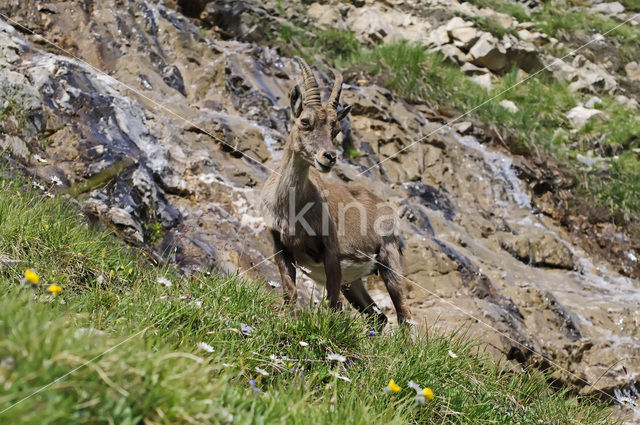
{"points": [[181, 130]]}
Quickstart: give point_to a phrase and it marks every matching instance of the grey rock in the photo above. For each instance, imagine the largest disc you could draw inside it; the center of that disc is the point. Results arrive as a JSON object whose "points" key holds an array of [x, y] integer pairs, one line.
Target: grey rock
{"points": [[488, 52], [471, 69], [580, 116], [509, 105], [632, 70], [483, 80], [612, 8]]}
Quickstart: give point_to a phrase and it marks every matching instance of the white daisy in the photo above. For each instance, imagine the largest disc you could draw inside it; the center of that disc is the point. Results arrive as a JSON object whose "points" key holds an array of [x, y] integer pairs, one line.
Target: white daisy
{"points": [[39, 158], [206, 347], [262, 371], [165, 282], [453, 355], [304, 344], [336, 357]]}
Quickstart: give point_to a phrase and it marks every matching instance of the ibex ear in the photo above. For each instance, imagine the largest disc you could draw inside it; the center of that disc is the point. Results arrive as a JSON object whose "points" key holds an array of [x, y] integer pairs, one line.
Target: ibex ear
{"points": [[342, 113], [296, 101]]}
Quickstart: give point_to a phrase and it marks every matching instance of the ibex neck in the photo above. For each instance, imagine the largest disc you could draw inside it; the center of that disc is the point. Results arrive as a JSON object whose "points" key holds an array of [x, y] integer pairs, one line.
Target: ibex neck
{"points": [[292, 181]]}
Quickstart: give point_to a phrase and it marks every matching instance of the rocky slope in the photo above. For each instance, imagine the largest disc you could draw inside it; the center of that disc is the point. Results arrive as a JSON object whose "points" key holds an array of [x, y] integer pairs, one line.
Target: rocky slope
{"points": [[167, 134]]}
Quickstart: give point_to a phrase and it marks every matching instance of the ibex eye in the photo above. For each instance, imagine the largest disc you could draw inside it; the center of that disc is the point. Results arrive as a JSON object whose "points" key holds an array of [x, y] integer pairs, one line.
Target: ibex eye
{"points": [[305, 122]]}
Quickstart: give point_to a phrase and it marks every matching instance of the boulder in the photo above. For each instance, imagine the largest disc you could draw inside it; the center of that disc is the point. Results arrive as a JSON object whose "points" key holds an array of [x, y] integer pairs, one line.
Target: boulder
{"points": [[590, 77], [439, 36], [464, 37], [627, 101], [633, 70], [462, 127], [456, 23], [326, 16], [368, 24], [538, 249], [487, 51], [375, 23], [470, 69], [483, 80], [452, 54], [509, 105], [580, 116], [613, 8], [593, 101]]}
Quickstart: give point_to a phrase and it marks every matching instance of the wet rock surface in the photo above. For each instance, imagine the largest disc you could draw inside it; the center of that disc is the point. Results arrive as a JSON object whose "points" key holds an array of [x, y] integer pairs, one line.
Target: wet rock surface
{"points": [[174, 153]]}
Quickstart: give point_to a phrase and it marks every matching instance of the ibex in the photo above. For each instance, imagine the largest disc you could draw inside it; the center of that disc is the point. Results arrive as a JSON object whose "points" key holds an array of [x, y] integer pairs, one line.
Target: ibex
{"points": [[339, 233]]}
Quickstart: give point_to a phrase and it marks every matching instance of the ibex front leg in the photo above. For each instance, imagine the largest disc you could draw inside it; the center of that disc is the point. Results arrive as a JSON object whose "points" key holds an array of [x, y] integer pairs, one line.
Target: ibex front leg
{"points": [[334, 279], [286, 267]]}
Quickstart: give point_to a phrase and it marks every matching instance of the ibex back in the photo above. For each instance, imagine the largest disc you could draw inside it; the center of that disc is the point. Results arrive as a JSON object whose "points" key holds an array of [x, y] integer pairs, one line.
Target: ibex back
{"points": [[340, 233]]}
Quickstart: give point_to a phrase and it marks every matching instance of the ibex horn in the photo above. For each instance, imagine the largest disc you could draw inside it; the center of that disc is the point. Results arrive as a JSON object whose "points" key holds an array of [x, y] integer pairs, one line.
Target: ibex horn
{"points": [[311, 89], [334, 99]]}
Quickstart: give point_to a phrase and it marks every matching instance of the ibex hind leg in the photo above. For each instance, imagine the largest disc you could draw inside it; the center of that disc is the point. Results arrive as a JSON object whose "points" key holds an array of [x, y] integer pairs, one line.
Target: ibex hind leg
{"points": [[356, 293], [390, 269]]}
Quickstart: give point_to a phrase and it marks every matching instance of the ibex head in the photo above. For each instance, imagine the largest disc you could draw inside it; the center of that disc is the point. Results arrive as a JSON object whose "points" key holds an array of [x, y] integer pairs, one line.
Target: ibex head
{"points": [[315, 125]]}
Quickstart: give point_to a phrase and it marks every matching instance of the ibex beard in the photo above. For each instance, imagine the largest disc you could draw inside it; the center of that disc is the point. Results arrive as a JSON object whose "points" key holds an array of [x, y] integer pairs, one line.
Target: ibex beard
{"points": [[341, 233]]}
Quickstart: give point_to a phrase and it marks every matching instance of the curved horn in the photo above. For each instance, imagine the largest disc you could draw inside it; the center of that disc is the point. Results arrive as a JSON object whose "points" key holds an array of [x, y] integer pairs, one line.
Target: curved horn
{"points": [[334, 99], [311, 89]]}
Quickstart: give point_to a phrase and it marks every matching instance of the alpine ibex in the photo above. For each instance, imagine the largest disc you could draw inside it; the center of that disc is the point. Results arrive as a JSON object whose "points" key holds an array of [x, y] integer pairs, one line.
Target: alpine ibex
{"points": [[339, 233]]}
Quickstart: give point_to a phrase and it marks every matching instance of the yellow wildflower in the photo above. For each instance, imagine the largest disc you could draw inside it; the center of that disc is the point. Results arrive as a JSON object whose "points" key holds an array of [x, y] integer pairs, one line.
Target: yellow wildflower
{"points": [[427, 393], [130, 271], [32, 277], [79, 254], [393, 387], [111, 272], [55, 289], [46, 226]]}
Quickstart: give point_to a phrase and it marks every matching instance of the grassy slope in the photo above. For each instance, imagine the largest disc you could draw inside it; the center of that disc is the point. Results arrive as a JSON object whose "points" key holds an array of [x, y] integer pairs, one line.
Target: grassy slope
{"points": [[158, 374]]}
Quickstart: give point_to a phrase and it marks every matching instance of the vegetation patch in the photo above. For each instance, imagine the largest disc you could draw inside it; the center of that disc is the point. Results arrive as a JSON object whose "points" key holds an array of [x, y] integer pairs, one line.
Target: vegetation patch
{"points": [[538, 126], [94, 334]]}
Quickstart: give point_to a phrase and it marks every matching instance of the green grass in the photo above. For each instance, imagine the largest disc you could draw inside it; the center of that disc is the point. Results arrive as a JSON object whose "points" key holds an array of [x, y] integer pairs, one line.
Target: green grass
{"points": [[156, 374], [12, 106]]}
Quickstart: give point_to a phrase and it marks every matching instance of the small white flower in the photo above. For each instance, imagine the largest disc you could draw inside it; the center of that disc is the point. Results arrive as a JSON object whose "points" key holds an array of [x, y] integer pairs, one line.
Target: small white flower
{"points": [[274, 284], [344, 378], [262, 371], [100, 280], [376, 309], [206, 347], [304, 344], [336, 357], [275, 359], [419, 393], [453, 355], [227, 364], [165, 282], [415, 386], [56, 180], [39, 158], [197, 303], [37, 185]]}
